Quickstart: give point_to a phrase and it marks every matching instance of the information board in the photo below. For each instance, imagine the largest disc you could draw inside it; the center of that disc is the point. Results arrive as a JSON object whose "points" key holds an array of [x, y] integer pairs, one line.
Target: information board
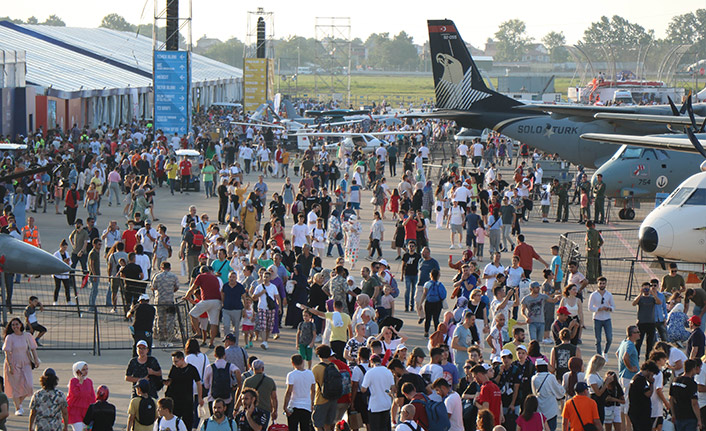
{"points": [[255, 83], [172, 85]]}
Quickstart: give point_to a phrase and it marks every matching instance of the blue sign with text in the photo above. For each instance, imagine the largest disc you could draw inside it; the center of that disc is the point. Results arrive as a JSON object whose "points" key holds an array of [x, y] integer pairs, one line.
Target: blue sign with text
{"points": [[172, 84]]}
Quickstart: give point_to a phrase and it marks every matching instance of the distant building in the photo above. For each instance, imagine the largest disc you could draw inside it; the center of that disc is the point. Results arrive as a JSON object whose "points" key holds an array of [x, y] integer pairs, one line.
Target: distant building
{"points": [[536, 53], [204, 43]]}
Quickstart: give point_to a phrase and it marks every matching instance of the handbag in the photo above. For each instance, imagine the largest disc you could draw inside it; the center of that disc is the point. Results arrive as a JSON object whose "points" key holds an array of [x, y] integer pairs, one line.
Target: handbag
{"points": [[355, 420], [32, 362], [586, 427]]}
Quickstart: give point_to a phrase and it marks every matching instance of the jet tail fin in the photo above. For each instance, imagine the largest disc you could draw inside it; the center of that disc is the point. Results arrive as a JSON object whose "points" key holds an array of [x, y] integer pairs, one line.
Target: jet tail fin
{"points": [[290, 110], [457, 81]]}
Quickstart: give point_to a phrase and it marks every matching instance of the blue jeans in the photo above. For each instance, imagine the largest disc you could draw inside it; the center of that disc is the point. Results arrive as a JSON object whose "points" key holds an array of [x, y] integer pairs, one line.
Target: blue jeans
{"points": [[94, 291], [209, 188], [330, 248], [607, 326], [536, 330], [410, 287], [552, 423], [697, 311], [685, 425]]}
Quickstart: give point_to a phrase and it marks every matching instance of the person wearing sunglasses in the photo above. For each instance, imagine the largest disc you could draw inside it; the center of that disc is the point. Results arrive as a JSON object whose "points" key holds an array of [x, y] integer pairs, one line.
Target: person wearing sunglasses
{"points": [[601, 304]]}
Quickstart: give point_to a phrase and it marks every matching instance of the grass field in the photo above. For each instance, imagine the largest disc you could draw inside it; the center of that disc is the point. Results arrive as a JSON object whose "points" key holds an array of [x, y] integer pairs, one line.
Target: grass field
{"points": [[395, 89]]}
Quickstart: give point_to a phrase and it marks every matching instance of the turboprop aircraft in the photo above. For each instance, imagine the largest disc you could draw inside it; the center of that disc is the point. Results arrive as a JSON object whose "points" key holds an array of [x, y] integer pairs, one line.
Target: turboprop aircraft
{"points": [[365, 142], [463, 96]]}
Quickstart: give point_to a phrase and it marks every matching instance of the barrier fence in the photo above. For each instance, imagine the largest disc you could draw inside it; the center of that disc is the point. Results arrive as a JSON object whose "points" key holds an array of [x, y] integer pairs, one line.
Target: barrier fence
{"points": [[79, 326]]}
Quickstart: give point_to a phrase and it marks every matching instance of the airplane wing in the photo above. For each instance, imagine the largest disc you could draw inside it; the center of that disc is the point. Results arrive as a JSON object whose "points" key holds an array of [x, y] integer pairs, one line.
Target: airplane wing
{"points": [[588, 111], [352, 134], [449, 114], [660, 119], [240, 123], [656, 142]]}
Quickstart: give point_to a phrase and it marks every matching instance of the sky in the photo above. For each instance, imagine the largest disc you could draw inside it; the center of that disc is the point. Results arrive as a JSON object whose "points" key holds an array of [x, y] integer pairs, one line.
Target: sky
{"points": [[477, 21]]}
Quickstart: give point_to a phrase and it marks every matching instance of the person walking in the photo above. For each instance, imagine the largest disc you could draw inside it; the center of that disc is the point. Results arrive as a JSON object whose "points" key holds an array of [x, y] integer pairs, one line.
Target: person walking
{"points": [[182, 377], [298, 399], [100, 415], [380, 382], [683, 398], [646, 302], [433, 297], [265, 389], [48, 407], [548, 390], [410, 274], [628, 365], [601, 304], [164, 285], [20, 358], [426, 265], [581, 411], [639, 394], [231, 297], [495, 224], [80, 395], [594, 242]]}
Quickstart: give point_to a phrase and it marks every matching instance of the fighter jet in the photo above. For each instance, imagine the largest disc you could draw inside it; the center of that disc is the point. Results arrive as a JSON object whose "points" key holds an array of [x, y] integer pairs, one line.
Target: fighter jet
{"points": [[22, 258], [463, 96]]}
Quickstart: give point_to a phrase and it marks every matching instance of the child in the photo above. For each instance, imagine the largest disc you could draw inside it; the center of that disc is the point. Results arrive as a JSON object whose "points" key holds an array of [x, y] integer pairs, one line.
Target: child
{"points": [[167, 421], [248, 324], [31, 316], [387, 305], [480, 240], [395, 203], [545, 202], [306, 334], [584, 207], [296, 164], [555, 266]]}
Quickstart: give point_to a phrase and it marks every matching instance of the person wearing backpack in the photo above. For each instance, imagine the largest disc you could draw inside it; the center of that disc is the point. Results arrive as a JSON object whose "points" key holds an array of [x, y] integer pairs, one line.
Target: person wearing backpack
{"points": [[381, 383], [221, 378], [329, 387], [190, 248], [407, 422], [142, 411], [433, 299], [454, 406], [167, 421], [219, 421]]}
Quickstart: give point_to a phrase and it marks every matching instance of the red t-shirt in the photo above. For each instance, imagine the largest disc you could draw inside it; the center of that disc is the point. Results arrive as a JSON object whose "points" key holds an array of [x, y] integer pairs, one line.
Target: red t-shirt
{"points": [[130, 240], [490, 393], [410, 229], [342, 366], [185, 167], [526, 253], [210, 287]]}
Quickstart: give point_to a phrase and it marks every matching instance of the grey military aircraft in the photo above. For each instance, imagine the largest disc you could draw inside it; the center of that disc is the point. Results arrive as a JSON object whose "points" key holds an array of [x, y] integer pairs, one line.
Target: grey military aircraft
{"points": [[463, 96]]}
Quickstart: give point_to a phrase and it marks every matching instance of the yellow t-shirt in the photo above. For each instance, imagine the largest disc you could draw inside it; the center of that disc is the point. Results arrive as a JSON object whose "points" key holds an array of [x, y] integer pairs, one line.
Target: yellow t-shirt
{"points": [[171, 169], [339, 333], [98, 183], [511, 347], [134, 409]]}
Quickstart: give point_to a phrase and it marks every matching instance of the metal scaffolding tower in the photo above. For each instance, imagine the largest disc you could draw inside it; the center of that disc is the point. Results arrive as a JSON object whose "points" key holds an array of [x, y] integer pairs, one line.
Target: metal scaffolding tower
{"points": [[332, 75], [251, 43], [174, 20]]}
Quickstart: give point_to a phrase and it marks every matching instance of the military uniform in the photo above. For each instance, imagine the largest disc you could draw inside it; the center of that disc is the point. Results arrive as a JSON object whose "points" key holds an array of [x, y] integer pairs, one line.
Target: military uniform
{"points": [[599, 202], [594, 241], [562, 192]]}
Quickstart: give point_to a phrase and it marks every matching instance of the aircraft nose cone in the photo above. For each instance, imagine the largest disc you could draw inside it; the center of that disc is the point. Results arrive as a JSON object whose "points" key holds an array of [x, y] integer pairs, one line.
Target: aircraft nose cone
{"points": [[649, 239]]}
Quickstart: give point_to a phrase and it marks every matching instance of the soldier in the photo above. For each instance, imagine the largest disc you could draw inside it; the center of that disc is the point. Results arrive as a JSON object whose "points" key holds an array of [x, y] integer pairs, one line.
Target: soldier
{"points": [[164, 285], [561, 191], [594, 241], [599, 200]]}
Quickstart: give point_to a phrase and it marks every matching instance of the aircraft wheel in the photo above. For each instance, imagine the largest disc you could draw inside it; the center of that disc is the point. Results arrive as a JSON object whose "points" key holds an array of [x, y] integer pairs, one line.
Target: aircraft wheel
{"points": [[621, 214], [629, 214]]}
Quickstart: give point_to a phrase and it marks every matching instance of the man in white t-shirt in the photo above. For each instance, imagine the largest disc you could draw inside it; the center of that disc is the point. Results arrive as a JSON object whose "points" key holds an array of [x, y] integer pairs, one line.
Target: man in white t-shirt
{"points": [[300, 234], [462, 151], [147, 236], [477, 151], [380, 382], [452, 401], [312, 216], [433, 371], [265, 314], [301, 387], [381, 152], [491, 271]]}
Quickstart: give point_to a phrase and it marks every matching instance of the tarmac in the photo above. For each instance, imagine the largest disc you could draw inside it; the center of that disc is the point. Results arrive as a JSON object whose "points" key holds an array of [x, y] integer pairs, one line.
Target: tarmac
{"points": [[109, 368]]}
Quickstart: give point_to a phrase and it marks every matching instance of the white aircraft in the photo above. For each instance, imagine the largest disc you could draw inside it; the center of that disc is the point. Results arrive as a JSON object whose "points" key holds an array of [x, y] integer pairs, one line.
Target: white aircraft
{"points": [[366, 142], [676, 229]]}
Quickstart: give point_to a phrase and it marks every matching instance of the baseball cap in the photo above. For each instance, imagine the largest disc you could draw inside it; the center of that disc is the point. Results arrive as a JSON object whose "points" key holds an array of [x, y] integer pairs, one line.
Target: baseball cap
{"points": [[505, 352], [580, 387], [522, 347], [229, 337], [563, 310], [144, 297], [141, 343], [401, 347], [535, 284], [540, 361], [143, 385], [203, 256], [696, 320]]}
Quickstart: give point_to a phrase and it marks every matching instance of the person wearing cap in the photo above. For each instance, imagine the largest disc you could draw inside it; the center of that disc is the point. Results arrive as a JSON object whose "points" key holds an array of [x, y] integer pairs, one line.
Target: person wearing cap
{"points": [[581, 410], [562, 321], [533, 310], [191, 246], [134, 421], [525, 370], [144, 367], [506, 377], [695, 343], [143, 322], [48, 407], [547, 390]]}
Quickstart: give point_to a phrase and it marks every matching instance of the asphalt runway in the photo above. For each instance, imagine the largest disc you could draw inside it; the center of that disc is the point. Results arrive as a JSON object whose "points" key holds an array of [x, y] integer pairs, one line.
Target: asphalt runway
{"points": [[109, 368]]}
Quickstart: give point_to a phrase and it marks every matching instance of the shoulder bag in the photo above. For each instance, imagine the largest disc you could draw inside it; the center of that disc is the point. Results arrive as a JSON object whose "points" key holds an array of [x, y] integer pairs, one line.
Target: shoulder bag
{"points": [[586, 427]]}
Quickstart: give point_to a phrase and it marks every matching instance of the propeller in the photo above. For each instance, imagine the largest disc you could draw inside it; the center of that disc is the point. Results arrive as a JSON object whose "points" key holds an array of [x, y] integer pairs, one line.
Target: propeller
{"points": [[687, 108], [695, 142]]}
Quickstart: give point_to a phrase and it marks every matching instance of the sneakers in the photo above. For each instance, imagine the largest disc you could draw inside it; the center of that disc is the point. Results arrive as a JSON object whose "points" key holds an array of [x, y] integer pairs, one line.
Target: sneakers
{"points": [[264, 345], [55, 303], [452, 246], [547, 341], [70, 303], [275, 337], [20, 412]]}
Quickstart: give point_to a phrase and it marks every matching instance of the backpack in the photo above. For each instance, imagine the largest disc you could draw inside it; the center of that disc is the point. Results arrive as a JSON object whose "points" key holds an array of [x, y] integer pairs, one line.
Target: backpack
{"points": [[146, 411], [198, 239], [436, 292], [332, 389], [393, 284], [221, 383], [437, 415]]}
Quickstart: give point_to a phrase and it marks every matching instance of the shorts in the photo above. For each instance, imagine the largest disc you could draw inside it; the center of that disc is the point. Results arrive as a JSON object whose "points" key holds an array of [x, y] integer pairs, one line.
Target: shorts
{"points": [[325, 414], [612, 415], [355, 205], [625, 383], [545, 209], [456, 228], [203, 323], [248, 328], [210, 306], [266, 319], [305, 351]]}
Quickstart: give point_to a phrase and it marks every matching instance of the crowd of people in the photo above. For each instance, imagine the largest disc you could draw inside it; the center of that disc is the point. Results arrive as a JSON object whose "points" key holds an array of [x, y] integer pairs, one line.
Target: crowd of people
{"points": [[503, 343]]}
